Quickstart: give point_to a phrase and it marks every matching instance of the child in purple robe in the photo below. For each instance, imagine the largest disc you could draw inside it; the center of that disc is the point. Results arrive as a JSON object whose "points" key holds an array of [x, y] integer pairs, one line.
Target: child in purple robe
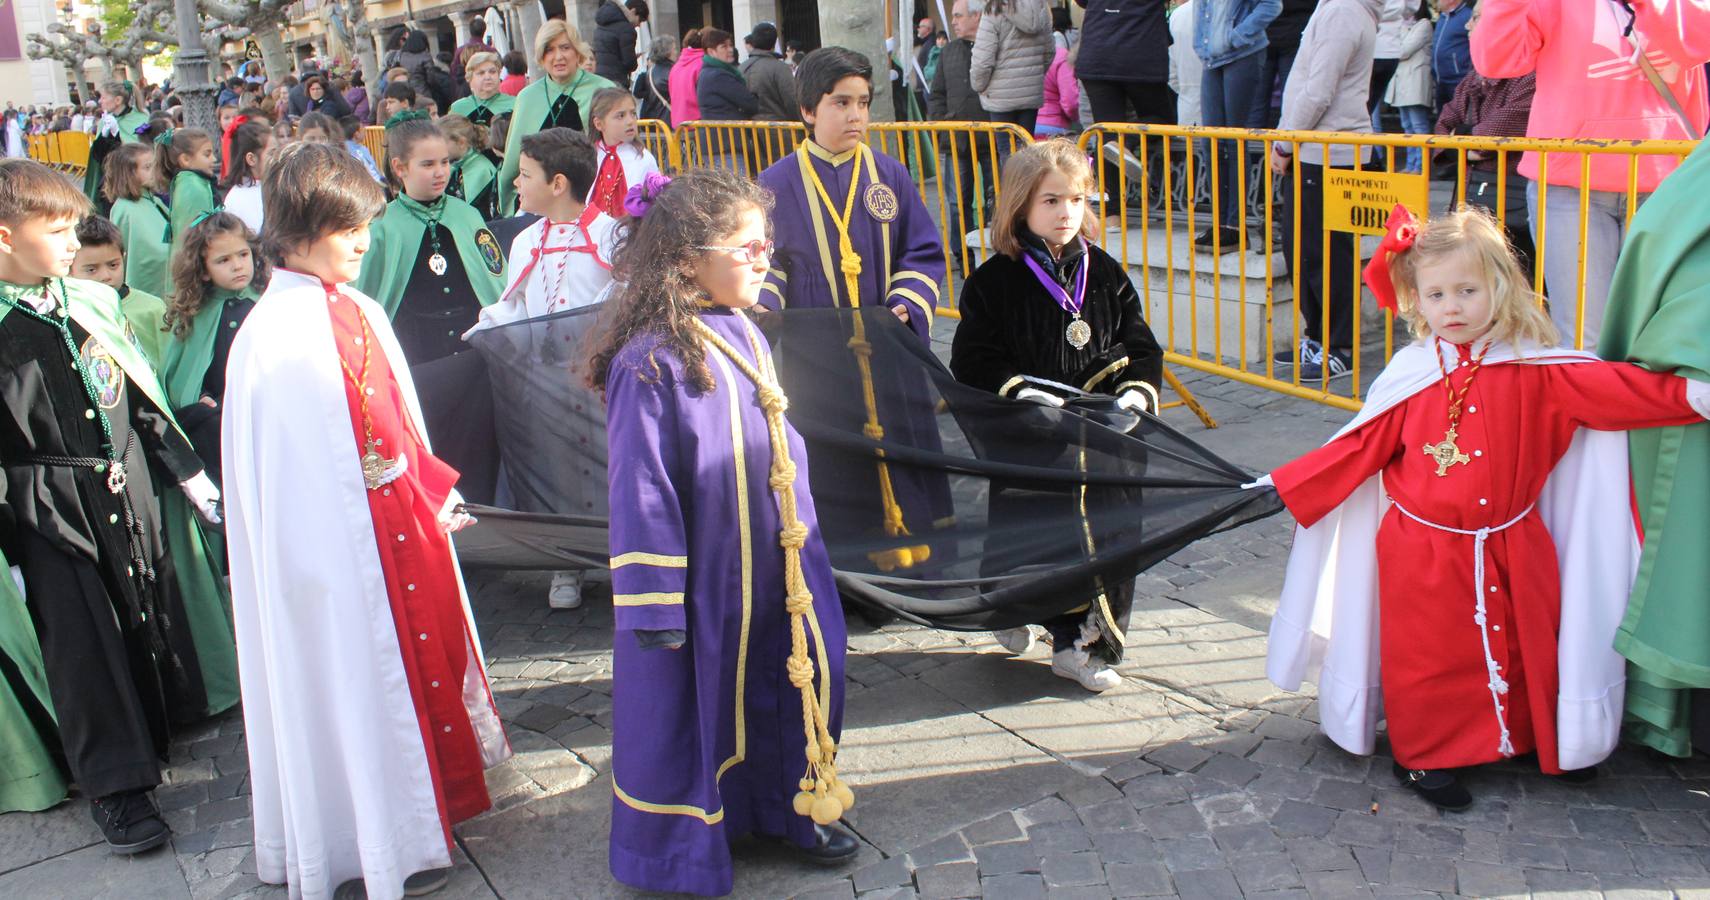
{"points": [[852, 232], [729, 632]]}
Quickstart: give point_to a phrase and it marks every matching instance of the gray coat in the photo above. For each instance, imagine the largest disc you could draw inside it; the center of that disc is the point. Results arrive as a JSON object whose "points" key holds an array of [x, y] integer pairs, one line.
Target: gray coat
{"points": [[1011, 52], [771, 80]]}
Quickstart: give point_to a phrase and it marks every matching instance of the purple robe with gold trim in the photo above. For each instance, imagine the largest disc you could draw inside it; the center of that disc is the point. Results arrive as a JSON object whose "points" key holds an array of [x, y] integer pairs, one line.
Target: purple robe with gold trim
{"points": [[902, 265], [707, 740], [902, 257]]}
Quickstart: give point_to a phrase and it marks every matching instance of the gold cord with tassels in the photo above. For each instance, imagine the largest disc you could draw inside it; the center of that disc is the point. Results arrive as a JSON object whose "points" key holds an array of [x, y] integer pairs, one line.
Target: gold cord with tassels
{"points": [[823, 795], [850, 264]]}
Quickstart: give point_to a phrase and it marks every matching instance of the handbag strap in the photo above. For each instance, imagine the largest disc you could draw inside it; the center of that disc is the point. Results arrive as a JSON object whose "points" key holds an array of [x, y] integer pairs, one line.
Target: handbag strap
{"points": [[1657, 82]]}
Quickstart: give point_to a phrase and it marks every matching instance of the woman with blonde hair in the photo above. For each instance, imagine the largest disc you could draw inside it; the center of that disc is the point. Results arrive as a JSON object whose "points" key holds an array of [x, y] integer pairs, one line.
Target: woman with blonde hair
{"points": [[562, 98], [1048, 318]]}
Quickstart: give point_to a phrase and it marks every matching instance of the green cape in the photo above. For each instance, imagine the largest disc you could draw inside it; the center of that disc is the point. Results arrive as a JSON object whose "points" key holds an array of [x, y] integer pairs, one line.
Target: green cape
{"points": [[148, 242], [96, 307], [30, 775], [128, 125], [192, 198], [526, 119], [146, 314], [188, 356], [471, 177], [500, 104], [1659, 315], [396, 240]]}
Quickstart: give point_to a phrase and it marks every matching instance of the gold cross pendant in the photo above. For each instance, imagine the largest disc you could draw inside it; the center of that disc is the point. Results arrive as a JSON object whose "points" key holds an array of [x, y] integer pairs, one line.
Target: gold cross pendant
{"points": [[1445, 454], [376, 468]]}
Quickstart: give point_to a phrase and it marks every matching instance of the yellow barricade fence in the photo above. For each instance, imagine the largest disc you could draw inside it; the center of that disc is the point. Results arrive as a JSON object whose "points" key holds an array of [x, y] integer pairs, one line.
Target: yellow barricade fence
{"points": [[656, 136], [1227, 299], [67, 151], [374, 138]]}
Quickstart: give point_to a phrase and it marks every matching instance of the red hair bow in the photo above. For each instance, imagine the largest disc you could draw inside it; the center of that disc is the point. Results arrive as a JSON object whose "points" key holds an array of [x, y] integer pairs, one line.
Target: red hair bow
{"points": [[226, 145], [1399, 231]]}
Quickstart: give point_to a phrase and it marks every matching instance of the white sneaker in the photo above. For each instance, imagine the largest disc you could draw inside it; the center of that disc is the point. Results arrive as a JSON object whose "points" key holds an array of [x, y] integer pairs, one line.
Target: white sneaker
{"points": [[566, 592], [1118, 155], [1016, 640], [1076, 665]]}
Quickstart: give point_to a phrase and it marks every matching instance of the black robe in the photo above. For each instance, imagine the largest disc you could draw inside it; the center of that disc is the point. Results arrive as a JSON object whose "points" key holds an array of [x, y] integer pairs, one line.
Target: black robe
{"points": [[1012, 335], [98, 580]]}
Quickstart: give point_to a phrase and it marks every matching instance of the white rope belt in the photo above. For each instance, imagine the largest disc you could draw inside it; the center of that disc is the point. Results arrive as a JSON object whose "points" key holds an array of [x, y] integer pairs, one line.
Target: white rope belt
{"points": [[1498, 687]]}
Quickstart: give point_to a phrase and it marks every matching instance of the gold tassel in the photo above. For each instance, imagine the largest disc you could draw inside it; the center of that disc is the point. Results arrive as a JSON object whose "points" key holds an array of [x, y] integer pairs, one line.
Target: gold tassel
{"points": [[823, 796], [899, 557]]}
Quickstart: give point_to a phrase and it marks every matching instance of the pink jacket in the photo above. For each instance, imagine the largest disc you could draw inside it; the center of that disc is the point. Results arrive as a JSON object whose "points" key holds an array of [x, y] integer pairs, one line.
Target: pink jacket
{"points": [[685, 77], [1062, 106], [1588, 84]]}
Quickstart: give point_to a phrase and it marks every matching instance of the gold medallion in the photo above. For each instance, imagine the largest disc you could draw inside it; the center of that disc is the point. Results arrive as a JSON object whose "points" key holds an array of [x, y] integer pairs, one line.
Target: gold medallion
{"points": [[1446, 453], [436, 263], [376, 468]]}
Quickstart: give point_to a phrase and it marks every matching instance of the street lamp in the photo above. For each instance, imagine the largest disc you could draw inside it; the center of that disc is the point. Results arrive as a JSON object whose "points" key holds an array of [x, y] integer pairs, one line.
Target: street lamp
{"points": [[190, 75]]}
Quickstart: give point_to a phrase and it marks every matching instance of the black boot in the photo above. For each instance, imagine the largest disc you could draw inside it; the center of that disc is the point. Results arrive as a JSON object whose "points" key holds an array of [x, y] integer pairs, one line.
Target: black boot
{"points": [[832, 845], [1439, 786], [129, 822], [1222, 238]]}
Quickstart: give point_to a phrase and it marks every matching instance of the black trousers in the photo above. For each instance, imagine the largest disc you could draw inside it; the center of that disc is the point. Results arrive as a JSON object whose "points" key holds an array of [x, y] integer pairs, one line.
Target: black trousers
{"points": [[1267, 94], [1152, 103], [1310, 264], [1382, 71], [961, 192], [105, 689]]}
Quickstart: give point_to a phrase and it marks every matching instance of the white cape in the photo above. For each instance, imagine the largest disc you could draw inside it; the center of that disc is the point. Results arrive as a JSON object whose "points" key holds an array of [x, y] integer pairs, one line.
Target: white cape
{"points": [[1326, 625], [338, 769]]}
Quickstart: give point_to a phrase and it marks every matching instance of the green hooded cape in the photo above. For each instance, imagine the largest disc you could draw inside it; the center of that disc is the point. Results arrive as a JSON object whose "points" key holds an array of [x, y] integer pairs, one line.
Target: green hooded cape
{"points": [[146, 228], [472, 181], [128, 125], [188, 356], [146, 314], [530, 114], [31, 777], [1659, 315], [192, 198], [396, 240], [500, 104]]}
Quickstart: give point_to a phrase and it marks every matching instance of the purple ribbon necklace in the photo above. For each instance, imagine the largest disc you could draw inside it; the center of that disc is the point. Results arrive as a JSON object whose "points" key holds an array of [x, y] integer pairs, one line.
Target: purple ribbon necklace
{"points": [[1079, 333]]}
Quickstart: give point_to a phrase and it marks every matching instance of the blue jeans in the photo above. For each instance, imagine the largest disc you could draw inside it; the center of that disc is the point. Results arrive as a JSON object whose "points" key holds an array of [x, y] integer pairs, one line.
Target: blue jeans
{"points": [[1605, 231], [1414, 120], [1226, 98]]}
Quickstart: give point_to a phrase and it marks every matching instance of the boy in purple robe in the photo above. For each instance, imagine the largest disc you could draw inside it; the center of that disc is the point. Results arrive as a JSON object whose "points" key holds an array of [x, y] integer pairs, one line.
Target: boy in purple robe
{"points": [[852, 231], [729, 632]]}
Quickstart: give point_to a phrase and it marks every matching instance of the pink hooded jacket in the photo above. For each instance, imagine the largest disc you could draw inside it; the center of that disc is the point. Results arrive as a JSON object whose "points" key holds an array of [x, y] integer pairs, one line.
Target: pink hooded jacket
{"points": [[1589, 85], [685, 77], [1062, 106]]}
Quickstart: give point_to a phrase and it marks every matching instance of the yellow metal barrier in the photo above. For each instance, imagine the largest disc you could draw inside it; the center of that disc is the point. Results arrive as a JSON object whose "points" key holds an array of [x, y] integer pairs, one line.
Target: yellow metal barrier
{"points": [[67, 151], [374, 138], [656, 136], [746, 147], [1234, 308]]}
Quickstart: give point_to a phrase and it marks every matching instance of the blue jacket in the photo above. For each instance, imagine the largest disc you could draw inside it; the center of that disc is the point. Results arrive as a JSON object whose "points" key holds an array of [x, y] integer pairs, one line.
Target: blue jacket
{"points": [[1451, 51], [1228, 30]]}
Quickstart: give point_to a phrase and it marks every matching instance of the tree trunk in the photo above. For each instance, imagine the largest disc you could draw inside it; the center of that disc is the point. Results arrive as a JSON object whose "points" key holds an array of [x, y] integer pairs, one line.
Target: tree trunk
{"points": [[273, 54], [856, 27]]}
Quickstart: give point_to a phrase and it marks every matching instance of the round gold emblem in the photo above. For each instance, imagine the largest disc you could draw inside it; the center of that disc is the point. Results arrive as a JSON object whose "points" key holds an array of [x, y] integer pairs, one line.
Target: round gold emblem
{"points": [[881, 202]]}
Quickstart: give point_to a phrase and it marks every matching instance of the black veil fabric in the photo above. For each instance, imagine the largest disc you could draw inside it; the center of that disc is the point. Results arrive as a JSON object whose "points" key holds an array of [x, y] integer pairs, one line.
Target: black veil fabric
{"points": [[939, 503]]}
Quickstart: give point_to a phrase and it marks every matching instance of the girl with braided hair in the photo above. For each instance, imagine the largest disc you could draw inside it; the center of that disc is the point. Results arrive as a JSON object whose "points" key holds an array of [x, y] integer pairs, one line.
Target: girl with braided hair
{"points": [[728, 660]]}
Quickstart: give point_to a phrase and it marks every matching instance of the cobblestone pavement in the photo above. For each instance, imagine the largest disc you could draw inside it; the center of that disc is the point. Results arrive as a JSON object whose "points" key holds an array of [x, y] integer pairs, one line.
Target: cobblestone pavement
{"points": [[979, 774]]}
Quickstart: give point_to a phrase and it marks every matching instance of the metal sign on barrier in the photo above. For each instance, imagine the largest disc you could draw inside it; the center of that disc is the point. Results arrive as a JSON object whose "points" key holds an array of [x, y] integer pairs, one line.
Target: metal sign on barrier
{"points": [[1360, 202]]}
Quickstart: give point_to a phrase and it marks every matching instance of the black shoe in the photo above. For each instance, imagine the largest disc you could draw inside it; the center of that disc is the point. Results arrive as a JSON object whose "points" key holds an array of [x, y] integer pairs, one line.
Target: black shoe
{"points": [[1222, 239], [1339, 364], [129, 822], [832, 846], [1578, 776], [1438, 786]]}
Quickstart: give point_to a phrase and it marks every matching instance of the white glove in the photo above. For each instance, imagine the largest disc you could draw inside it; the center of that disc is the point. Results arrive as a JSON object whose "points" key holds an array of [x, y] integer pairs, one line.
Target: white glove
{"points": [[1038, 396], [1134, 401], [452, 519], [1264, 481], [1698, 396], [203, 496]]}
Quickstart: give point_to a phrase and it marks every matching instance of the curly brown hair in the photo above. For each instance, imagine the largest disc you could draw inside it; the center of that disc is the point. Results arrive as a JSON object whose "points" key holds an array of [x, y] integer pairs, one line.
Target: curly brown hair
{"points": [[654, 265], [189, 268]]}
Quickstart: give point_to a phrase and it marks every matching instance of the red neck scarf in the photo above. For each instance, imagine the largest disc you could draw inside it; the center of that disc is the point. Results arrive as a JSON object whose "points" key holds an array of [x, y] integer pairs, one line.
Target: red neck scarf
{"points": [[609, 186]]}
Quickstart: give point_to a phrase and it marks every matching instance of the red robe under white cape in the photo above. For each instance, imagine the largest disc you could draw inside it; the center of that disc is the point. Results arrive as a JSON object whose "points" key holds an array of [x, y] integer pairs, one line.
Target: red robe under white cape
{"points": [[1479, 662], [366, 705]]}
